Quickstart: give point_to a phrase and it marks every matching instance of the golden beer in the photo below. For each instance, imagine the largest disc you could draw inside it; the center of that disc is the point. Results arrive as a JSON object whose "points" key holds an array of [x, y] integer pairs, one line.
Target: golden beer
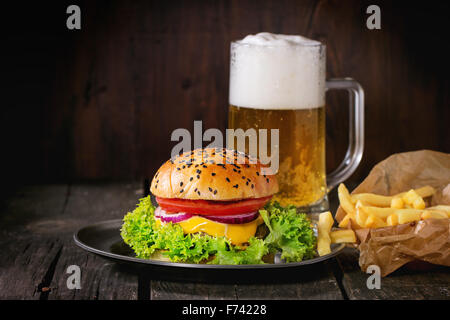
{"points": [[301, 174], [278, 82]]}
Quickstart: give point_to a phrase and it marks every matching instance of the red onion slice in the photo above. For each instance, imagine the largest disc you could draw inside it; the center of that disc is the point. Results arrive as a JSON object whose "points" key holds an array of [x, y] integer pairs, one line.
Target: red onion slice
{"points": [[171, 217], [231, 219], [235, 219]]}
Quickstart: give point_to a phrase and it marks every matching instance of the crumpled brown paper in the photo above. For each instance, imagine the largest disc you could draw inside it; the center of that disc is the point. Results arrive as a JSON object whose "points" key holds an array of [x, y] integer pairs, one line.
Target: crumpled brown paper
{"points": [[427, 240]]}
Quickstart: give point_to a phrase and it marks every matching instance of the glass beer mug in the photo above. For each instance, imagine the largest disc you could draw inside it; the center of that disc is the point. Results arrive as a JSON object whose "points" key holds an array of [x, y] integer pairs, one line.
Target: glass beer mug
{"points": [[278, 82]]}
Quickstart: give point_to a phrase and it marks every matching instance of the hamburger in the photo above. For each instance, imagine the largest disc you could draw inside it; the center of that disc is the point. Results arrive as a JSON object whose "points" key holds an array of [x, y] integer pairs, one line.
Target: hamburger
{"points": [[214, 191], [212, 206]]}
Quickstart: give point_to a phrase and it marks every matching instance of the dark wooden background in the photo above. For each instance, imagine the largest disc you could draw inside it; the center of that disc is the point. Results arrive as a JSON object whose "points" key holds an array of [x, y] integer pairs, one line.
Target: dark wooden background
{"points": [[101, 103]]}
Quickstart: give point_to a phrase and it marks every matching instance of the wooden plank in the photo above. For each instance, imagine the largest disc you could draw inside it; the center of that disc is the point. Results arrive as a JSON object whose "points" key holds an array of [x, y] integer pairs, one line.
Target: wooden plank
{"points": [[402, 284], [27, 207], [90, 203], [100, 279], [27, 257], [25, 267], [114, 115], [171, 290], [311, 282]]}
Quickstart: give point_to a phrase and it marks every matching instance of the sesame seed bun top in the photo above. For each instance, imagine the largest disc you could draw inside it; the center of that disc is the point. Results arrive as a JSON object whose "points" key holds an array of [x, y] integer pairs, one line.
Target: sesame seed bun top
{"points": [[213, 174]]}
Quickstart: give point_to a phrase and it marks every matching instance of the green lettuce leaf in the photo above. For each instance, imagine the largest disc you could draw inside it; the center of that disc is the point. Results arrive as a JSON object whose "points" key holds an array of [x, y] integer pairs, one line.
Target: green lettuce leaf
{"points": [[252, 254], [142, 232], [290, 232]]}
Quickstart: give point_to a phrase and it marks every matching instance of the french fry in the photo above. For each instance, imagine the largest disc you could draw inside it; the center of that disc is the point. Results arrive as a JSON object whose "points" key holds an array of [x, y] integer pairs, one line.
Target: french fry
{"points": [[419, 203], [343, 236], [344, 222], [373, 199], [375, 222], [397, 203], [346, 202], [430, 214], [361, 215], [385, 201], [368, 210], [324, 228], [381, 213], [408, 215], [424, 192], [392, 220], [412, 199], [441, 208]]}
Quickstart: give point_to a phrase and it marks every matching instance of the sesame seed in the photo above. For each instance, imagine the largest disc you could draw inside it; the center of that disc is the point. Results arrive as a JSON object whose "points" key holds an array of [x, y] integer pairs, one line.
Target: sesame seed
{"points": [[243, 178], [267, 180], [228, 179], [213, 174], [257, 173], [195, 190], [198, 176], [191, 179], [253, 186], [246, 183], [198, 192], [178, 169], [215, 191], [210, 189], [181, 184], [181, 191], [236, 186], [199, 171]]}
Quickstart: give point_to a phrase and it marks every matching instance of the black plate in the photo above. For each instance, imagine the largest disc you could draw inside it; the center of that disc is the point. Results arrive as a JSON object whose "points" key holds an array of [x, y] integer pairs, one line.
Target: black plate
{"points": [[104, 239]]}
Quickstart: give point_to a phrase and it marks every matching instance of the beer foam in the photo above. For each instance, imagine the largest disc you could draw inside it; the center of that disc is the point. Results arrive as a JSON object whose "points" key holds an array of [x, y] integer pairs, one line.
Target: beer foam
{"points": [[272, 71]]}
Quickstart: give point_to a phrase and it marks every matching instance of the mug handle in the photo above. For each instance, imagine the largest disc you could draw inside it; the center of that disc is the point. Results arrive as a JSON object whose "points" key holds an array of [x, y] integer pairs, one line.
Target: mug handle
{"points": [[356, 133]]}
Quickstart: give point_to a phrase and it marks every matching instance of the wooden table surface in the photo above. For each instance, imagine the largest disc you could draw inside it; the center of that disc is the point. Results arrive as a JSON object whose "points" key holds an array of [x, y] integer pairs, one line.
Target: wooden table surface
{"points": [[38, 222]]}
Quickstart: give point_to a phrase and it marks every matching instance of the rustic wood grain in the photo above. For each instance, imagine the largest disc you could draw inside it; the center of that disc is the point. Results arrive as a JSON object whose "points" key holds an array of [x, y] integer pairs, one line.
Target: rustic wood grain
{"points": [[102, 102], [312, 283], [26, 256], [24, 266], [170, 290], [28, 206], [37, 247], [100, 279], [309, 282], [402, 284]]}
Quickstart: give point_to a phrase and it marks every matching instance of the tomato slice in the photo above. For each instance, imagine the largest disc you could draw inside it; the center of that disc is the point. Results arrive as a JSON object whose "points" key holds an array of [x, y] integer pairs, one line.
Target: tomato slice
{"points": [[210, 207]]}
